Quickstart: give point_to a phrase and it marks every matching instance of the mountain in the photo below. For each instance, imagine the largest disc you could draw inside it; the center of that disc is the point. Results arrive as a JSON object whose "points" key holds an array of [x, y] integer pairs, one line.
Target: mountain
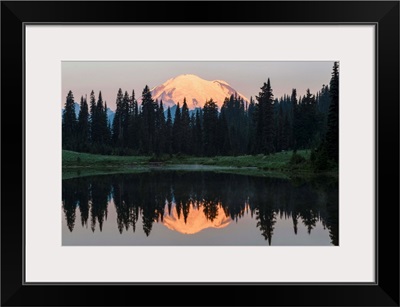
{"points": [[110, 115], [195, 89], [77, 107], [196, 220], [173, 110]]}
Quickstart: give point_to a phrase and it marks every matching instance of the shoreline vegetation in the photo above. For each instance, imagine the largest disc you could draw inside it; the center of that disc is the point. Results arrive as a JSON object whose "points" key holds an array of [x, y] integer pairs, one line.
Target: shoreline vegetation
{"points": [[287, 164]]}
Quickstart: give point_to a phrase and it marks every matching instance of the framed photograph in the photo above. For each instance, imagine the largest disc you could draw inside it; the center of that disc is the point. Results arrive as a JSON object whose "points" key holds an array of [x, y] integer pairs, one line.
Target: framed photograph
{"points": [[241, 146]]}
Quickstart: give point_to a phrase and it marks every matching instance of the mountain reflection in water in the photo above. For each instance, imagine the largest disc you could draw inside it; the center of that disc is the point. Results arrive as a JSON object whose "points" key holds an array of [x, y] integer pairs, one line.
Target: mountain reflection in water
{"points": [[198, 208]]}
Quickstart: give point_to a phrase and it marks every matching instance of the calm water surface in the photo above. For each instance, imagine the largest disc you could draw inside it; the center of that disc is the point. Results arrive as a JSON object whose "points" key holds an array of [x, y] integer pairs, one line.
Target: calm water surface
{"points": [[198, 208]]}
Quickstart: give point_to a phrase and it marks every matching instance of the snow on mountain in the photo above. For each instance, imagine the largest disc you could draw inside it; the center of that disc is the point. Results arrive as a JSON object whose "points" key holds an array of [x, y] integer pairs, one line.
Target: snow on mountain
{"points": [[196, 220], [196, 90]]}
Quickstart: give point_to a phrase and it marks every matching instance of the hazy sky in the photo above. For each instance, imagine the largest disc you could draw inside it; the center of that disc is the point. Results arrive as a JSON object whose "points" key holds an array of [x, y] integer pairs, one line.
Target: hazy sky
{"points": [[245, 77]]}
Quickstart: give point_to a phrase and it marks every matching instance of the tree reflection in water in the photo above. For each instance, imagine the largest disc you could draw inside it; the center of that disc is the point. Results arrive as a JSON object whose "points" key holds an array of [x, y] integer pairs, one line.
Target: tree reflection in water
{"points": [[155, 196]]}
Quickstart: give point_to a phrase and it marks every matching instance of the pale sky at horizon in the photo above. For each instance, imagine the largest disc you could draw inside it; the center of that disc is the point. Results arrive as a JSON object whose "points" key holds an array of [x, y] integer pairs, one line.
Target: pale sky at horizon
{"points": [[81, 77]]}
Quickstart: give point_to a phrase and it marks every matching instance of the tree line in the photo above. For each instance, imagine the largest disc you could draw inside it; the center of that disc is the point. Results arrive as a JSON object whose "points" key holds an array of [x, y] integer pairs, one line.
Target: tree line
{"points": [[263, 125]]}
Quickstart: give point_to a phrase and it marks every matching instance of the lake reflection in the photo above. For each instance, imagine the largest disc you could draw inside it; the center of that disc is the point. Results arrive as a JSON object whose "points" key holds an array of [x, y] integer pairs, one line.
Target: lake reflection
{"points": [[198, 208]]}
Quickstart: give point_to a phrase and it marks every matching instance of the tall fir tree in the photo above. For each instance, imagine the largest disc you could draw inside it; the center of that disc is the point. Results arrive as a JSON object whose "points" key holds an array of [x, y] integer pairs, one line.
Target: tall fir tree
{"points": [[210, 126], [177, 131], [252, 126], [133, 124], [83, 126], [265, 119], [279, 121], [93, 120], [102, 125], [158, 141], [185, 129], [69, 123], [237, 124], [132, 103], [309, 109], [106, 127], [332, 135], [126, 105], [198, 134], [161, 136], [296, 121], [117, 136], [323, 101], [223, 137], [193, 133], [168, 132], [148, 114]]}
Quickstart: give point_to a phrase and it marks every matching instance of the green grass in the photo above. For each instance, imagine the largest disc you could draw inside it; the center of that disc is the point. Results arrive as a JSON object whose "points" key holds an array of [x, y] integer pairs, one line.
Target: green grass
{"points": [[77, 159], [276, 161], [276, 165]]}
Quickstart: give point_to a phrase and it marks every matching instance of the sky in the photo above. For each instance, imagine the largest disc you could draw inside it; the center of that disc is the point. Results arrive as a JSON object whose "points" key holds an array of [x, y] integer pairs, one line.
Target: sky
{"points": [[247, 77]]}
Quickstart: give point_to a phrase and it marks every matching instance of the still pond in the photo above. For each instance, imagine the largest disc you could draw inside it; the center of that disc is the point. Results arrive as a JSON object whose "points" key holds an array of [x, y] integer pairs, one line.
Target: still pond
{"points": [[169, 207]]}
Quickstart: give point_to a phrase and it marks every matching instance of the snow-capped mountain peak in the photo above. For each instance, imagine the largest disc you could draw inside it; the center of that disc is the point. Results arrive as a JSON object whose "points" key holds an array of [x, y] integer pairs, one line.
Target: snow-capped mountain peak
{"points": [[195, 222], [195, 89]]}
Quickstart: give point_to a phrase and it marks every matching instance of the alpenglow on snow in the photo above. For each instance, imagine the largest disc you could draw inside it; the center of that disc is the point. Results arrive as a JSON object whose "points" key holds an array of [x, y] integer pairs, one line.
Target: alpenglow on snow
{"points": [[195, 89]]}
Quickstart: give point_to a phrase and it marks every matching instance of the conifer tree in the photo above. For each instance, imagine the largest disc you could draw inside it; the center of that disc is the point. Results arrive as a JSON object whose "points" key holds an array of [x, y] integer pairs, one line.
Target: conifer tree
{"points": [[125, 118], [279, 121], [223, 137], [102, 124], [132, 103], [198, 134], [309, 119], [106, 127], [265, 119], [252, 124], [133, 123], [323, 101], [185, 129], [148, 120], [210, 125], [176, 131], [83, 126], [93, 119], [69, 123], [117, 136], [332, 136], [296, 126], [192, 132], [161, 139], [168, 132]]}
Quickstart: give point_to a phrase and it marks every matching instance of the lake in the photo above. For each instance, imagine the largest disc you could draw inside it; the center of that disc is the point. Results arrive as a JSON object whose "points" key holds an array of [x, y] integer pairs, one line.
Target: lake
{"points": [[172, 207]]}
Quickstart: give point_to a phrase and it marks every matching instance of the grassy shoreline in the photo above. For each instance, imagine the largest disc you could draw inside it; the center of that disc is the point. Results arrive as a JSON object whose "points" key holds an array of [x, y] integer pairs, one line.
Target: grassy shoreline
{"points": [[75, 164]]}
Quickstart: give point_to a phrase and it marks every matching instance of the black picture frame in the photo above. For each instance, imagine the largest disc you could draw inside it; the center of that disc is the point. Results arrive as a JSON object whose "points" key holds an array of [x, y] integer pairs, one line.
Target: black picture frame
{"points": [[383, 14]]}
